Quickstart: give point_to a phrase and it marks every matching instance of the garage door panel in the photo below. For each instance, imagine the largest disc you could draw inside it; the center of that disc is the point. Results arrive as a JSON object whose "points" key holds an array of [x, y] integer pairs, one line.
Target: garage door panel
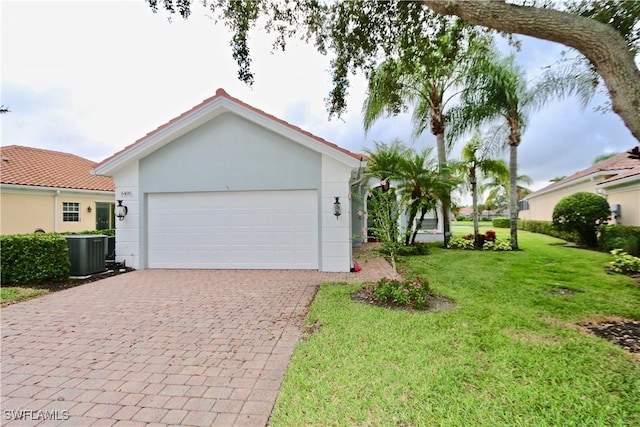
{"points": [[266, 230]]}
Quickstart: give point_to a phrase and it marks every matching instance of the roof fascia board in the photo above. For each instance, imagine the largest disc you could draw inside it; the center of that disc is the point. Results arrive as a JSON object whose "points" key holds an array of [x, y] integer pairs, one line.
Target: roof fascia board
{"points": [[33, 189], [621, 181], [582, 179], [207, 112], [295, 135]]}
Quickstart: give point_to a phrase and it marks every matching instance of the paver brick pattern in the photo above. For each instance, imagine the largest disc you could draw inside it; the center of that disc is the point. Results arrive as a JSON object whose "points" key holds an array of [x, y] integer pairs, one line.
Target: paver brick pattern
{"points": [[158, 347]]}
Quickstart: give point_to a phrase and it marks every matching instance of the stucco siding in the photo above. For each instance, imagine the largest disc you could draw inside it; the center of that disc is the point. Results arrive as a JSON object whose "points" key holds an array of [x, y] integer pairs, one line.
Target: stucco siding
{"points": [[541, 207], [239, 151], [24, 211], [129, 233], [629, 202], [230, 153], [336, 233]]}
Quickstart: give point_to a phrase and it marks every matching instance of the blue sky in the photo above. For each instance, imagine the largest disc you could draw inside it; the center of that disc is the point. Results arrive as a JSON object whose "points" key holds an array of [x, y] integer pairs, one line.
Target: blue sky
{"points": [[92, 77]]}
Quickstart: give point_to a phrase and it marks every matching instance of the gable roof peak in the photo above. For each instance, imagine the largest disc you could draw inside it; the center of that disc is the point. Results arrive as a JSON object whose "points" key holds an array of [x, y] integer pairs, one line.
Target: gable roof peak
{"points": [[221, 101]]}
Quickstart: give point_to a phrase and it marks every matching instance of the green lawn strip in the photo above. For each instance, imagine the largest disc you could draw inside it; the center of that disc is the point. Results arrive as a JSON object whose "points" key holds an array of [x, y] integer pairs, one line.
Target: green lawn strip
{"points": [[14, 294], [508, 354]]}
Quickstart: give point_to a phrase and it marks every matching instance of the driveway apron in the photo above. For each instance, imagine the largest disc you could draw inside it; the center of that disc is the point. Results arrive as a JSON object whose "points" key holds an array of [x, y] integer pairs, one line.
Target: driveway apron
{"points": [[158, 347]]}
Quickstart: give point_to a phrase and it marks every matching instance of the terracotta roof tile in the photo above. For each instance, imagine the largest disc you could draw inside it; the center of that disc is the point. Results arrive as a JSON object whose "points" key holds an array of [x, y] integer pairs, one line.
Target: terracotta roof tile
{"points": [[221, 93], [45, 168], [620, 165]]}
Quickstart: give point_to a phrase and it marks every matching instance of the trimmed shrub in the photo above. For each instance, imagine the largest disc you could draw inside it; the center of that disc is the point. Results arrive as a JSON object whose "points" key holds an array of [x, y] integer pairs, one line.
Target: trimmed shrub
{"points": [[546, 227], [106, 232], [34, 258], [497, 245], [582, 213], [462, 243], [501, 222], [622, 237], [461, 218]]}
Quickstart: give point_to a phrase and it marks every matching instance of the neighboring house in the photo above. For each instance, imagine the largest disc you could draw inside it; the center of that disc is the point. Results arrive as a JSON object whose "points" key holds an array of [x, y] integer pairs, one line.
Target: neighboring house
{"points": [[225, 185], [467, 212], [617, 179], [43, 190]]}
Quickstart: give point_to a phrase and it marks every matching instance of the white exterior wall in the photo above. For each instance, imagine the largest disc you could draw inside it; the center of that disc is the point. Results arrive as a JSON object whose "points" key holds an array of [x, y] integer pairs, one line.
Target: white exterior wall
{"points": [[226, 147], [129, 231], [335, 233]]}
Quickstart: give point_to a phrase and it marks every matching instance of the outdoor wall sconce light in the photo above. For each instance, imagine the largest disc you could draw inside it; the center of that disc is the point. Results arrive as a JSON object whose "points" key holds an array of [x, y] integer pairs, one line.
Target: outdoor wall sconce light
{"points": [[89, 209], [337, 208], [121, 211]]}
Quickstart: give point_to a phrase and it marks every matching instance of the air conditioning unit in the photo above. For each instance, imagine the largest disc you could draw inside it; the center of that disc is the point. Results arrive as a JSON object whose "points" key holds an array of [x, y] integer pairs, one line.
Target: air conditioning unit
{"points": [[87, 253]]}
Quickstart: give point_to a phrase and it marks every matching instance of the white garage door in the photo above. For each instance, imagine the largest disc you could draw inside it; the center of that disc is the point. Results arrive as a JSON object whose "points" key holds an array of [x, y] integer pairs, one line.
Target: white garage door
{"points": [[243, 230]]}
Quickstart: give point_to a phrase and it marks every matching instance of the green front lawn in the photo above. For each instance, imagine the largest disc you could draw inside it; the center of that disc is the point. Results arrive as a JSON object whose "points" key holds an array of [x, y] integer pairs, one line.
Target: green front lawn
{"points": [[509, 354], [14, 294]]}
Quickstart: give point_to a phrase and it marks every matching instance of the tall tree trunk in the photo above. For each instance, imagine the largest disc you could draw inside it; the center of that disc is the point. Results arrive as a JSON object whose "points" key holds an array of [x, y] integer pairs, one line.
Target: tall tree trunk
{"points": [[602, 45], [424, 211], [444, 176], [413, 211], [513, 194], [474, 199]]}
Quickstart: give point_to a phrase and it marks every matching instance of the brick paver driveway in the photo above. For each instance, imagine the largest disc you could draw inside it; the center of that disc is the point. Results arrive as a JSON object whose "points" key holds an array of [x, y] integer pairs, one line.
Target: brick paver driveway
{"points": [[157, 347]]}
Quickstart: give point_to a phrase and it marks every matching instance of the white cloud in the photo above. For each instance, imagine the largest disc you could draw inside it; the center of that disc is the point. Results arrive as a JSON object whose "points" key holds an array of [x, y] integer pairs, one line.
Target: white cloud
{"points": [[92, 77]]}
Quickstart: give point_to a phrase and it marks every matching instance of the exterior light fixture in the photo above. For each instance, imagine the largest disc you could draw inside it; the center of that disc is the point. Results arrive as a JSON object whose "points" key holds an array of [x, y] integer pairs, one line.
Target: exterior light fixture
{"points": [[121, 211], [337, 207], [89, 209]]}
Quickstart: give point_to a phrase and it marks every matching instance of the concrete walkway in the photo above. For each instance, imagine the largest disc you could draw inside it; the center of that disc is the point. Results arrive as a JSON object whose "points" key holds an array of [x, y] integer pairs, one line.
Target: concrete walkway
{"points": [[158, 347]]}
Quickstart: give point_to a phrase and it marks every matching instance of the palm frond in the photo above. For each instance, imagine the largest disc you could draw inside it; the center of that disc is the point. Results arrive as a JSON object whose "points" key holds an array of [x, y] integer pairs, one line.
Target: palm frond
{"points": [[564, 81]]}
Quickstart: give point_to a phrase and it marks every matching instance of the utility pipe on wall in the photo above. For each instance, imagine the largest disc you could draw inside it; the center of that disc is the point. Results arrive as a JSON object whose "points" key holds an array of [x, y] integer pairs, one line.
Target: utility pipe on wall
{"points": [[55, 211]]}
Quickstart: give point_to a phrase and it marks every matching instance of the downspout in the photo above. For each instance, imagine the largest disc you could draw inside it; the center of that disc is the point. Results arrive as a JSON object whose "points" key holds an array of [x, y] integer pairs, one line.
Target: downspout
{"points": [[55, 211]]}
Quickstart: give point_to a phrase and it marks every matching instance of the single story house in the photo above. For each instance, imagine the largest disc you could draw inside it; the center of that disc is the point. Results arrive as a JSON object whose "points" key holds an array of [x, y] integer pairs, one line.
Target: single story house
{"points": [[226, 185], [44, 190], [617, 179], [467, 212]]}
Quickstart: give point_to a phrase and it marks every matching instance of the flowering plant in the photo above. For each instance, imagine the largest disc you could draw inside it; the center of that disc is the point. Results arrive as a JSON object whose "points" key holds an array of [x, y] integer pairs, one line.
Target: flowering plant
{"points": [[413, 293]]}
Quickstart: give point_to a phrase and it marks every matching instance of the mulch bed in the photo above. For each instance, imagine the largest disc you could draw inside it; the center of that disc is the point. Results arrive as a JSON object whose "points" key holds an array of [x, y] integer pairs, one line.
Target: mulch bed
{"points": [[436, 303], [625, 333], [71, 283], [58, 286]]}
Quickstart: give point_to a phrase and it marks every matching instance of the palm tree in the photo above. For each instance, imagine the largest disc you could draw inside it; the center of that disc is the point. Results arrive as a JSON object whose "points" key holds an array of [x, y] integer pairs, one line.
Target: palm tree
{"points": [[473, 165], [428, 86], [497, 90], [498, 188], [415, 177], [384, 161], [420, 188], [603, 157]]}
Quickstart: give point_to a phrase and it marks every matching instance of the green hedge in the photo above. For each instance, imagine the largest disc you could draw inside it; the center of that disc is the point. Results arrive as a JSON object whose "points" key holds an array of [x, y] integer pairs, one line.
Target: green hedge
{"points": [[546, 227], [34, 258], [501, 222], [106, 232], [622, 237]]}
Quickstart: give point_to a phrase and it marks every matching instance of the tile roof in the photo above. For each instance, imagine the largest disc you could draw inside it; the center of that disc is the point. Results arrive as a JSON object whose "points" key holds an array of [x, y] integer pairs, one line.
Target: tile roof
{"points": [[620, 166], [45, 168], [221, 93]]}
